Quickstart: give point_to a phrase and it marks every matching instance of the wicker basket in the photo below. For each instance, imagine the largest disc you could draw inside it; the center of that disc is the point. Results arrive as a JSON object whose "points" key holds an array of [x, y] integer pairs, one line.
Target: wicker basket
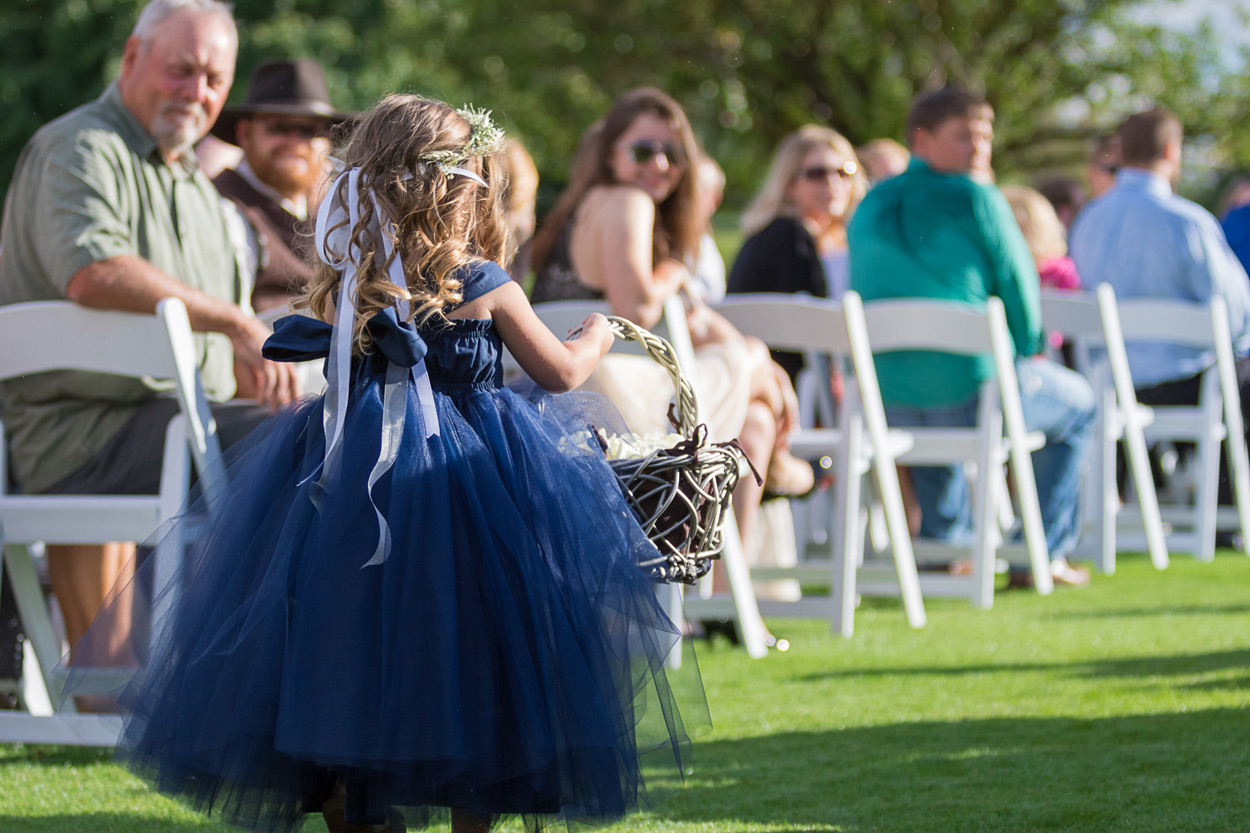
{"points": [[681, 494]]}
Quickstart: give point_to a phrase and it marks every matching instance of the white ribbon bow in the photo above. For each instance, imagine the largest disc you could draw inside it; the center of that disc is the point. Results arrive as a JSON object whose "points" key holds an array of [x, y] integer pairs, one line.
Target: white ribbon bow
{"points": [[334, 235]]}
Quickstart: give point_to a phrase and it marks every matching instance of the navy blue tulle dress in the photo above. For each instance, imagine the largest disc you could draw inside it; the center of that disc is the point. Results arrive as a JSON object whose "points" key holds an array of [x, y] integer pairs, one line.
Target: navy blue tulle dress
{"points": [[506, 656]]}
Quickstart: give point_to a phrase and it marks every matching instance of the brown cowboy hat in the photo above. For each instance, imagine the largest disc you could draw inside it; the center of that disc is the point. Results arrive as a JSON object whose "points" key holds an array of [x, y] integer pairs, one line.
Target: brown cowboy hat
{"points": [[286, 88]]}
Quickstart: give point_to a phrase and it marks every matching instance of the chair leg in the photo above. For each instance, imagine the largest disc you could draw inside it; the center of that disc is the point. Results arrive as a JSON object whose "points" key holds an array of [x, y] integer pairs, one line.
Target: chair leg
{"points": [[751, 624], [1144, 484], [1239, 472], [1207, 462], [848, 539], [33, 611], [900, 539], [986, 493], [670, 596], [1104, 489]]}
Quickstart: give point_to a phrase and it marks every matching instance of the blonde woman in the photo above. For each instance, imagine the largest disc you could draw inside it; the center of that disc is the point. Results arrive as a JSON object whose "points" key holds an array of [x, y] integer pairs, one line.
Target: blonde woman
{"points": [[796, 225], [1047, 239]]}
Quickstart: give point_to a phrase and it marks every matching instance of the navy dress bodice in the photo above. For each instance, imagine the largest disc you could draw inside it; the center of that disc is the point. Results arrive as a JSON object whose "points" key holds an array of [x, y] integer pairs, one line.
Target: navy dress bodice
{"points": [[466, 354]]}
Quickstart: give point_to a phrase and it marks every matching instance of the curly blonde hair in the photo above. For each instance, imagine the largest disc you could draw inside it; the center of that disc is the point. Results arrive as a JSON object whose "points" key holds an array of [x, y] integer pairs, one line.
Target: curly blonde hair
{"points": [[440, 222]]}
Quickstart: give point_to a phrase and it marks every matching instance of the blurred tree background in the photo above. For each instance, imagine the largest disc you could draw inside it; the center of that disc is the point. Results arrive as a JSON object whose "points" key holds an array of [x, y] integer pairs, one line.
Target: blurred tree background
{"points": [[748, 71]]}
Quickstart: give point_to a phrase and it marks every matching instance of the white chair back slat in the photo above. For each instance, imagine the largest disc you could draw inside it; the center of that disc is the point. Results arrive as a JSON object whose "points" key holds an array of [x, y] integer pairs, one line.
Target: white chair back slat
{"points": [[1171, 322], [940, 326], [788, 322], [121, 342], [1074, 314]]}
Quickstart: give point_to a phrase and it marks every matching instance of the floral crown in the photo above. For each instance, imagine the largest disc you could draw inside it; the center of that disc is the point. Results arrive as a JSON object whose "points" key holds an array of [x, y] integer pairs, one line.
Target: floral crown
{"points": [[485, 138]]}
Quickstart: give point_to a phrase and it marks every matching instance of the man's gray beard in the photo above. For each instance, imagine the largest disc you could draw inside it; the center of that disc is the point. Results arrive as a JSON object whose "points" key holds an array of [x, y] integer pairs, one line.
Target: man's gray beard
{"points": [[177, 137]]}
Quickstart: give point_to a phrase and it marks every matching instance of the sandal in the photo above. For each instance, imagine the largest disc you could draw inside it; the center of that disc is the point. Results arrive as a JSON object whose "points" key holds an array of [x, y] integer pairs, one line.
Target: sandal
{"points": [[788, 476]]}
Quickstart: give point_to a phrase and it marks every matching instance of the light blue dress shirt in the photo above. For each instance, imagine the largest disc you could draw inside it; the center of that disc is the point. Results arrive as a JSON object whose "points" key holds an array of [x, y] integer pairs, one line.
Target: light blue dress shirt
{"points": [[1149, 243]]}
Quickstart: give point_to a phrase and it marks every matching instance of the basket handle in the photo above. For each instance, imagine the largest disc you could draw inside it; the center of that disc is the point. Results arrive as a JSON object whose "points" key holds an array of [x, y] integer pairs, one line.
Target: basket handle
{"points": [[663, 354]]}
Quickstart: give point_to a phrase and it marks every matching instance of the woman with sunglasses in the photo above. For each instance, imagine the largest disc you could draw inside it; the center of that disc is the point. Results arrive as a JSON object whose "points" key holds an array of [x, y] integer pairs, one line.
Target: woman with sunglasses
{"points": [[626, 230], [796, 225]]}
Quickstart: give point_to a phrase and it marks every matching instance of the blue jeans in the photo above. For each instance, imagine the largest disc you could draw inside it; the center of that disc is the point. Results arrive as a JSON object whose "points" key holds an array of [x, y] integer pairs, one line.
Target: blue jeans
{"points": [[1056, 401]]}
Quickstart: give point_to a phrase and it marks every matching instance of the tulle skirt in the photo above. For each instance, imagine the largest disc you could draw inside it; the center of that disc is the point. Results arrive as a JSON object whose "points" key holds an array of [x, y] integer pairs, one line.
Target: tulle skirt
{"points": [[506, 657]]}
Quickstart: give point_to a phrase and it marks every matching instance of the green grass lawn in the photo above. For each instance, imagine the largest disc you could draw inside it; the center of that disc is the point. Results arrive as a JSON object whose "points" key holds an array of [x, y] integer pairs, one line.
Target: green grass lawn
{"points": [[1121, 707]]}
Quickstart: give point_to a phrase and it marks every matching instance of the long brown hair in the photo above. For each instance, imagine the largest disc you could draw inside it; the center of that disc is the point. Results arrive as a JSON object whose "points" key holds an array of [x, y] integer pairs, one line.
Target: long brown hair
{"points": [[440, 222], [677, 224]]}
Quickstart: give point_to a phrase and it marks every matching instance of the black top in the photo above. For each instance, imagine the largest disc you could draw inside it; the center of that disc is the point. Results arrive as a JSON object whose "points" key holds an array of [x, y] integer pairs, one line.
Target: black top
{"points": [[780, 258]]}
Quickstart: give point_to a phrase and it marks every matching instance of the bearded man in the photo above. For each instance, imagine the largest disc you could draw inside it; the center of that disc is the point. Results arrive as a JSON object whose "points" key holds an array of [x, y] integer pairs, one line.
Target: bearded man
{"points": [[283, 128]]}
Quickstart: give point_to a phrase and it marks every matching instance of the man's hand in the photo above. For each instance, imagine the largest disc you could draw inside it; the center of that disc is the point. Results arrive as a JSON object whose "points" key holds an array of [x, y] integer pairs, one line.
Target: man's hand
{"points": [[271, 383], [132, 284]]}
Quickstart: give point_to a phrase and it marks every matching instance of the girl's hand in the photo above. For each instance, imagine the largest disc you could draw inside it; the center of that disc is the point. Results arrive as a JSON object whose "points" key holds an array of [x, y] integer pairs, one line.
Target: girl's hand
{"points": [[596, 330]]}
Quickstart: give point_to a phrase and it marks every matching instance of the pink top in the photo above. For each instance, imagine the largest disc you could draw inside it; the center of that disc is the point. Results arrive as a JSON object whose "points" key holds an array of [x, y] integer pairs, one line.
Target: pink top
{"points": [[1059, 273]]}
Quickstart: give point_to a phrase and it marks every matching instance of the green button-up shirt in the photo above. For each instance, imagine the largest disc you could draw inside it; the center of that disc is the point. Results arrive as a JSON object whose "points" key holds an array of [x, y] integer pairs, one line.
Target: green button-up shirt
{"points": [[925, 234], [90, 186]]}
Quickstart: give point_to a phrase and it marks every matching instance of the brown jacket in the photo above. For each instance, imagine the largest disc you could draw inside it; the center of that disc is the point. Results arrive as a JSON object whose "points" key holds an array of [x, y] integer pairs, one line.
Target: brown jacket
{"points": [[285, 266]]}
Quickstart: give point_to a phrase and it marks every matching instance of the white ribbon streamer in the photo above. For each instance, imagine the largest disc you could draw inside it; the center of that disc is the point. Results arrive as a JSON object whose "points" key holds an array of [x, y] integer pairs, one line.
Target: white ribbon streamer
{"points": [[330, 233]]}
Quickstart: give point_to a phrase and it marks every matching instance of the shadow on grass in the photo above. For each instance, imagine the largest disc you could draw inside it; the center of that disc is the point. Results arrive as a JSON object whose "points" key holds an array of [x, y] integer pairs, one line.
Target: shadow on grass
{"points": [[1146, 666], [97, 823], [1161, 610], [58, 756], [1149, 772]]}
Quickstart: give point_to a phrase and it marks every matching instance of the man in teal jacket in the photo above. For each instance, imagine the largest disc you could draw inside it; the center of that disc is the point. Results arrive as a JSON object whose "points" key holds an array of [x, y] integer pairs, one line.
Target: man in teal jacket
{"points": [[937, 231]]}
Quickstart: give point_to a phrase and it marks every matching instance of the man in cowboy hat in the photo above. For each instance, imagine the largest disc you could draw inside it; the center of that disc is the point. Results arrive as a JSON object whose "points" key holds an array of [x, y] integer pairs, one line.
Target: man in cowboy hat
{"points": [[283, 128]]}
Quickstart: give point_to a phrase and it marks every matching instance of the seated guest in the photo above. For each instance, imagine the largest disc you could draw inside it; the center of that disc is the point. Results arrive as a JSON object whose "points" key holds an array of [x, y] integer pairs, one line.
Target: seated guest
{"points": [[1148, 242], [88, 219], [623, 231], [1236, 227], [1234, 214], [882, 159], [1236, 194], [707, 276], [1103, 164], [215, 155], [938, 232], [1045, 236], [520, 197], [1066, 196], [795, 226], [283, 127]]}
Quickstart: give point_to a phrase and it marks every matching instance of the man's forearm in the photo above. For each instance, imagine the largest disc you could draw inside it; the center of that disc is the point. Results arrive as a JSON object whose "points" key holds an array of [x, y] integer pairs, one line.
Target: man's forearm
{"points": [[132, 284]]}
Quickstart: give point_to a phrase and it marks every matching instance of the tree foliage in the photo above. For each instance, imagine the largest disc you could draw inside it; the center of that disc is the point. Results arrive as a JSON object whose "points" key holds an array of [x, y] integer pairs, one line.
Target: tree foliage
{"points": [[748, 71]]}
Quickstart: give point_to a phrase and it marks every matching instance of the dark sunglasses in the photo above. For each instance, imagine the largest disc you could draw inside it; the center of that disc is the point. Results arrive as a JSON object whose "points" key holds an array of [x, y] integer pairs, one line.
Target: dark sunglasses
{"points": [[642, 152], [277, 127], [821, 173]]}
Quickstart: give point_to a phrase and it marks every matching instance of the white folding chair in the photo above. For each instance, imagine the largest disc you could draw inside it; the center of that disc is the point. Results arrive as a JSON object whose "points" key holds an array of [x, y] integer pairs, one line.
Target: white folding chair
{"points": [[742, 607], [1092, 324], [998, 437], [57, 335], [831, 332], [1214, 420]]}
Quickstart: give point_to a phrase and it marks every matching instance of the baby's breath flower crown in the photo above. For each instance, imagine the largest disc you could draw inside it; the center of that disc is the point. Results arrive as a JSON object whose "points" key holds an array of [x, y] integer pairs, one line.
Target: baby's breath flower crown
{"points": [[485, 138]]}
